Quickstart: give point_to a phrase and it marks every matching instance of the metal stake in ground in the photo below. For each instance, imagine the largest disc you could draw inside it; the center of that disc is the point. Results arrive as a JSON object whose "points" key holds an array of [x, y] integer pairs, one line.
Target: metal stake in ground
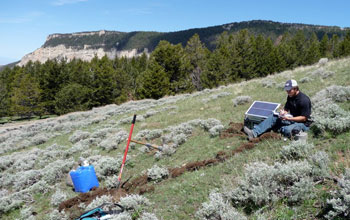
{"points": [[126, 151]]}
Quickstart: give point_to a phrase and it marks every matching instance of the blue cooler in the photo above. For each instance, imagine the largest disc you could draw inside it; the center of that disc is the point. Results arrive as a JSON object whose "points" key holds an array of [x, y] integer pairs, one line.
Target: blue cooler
{"points": [[84, 178]]}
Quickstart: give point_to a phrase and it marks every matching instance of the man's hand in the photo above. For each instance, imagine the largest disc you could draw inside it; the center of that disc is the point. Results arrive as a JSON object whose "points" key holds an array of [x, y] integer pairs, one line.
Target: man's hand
{"points": [[283, 112]]}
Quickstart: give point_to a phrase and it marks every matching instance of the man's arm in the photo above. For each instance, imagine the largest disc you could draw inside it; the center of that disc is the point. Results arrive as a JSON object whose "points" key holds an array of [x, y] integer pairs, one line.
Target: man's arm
{"points": [[296, 119]]}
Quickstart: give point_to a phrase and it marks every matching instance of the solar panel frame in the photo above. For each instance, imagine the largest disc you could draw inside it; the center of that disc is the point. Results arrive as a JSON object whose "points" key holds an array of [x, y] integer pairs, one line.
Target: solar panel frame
{"points": [[262, 107]]}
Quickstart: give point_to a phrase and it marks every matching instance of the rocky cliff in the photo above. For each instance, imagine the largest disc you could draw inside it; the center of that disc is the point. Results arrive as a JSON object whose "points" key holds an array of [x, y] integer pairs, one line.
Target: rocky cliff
{"points": [[85, 52], [59, 52]]}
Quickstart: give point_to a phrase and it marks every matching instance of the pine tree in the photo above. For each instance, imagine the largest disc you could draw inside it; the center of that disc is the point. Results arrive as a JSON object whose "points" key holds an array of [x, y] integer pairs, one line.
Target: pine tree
{"points": [[103, 84], [169, 57], [154, 82], [344, 46], [288, 51], [261, 57], [25, 99], [325, 47], [244, 56], [312, 54], [221, 67], [50, 81], [195, 58], [335, 46], [5, 77], [73, 97]]}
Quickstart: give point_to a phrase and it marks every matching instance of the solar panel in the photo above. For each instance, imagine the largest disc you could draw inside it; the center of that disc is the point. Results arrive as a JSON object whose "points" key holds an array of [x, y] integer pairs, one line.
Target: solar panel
{"points": [[260, 109]]}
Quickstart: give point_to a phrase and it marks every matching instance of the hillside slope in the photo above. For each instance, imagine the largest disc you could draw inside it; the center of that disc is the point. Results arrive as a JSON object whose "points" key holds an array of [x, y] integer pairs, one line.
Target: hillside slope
{"points": [[206, 161]]}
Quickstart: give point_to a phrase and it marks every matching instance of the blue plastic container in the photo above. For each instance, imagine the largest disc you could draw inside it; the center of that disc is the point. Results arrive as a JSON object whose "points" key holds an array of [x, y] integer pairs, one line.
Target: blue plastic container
{"points": [[84, 179]]}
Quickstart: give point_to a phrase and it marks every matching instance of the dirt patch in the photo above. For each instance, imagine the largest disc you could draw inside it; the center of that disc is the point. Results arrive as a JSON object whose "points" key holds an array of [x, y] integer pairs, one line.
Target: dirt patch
{"points": [[71, 206], [140, 185], [234, 130], [270, 135]]}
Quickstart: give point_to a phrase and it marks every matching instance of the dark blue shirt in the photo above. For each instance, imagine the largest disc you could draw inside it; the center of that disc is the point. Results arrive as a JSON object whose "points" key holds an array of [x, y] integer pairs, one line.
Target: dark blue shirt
{"points": [[299, 105]]}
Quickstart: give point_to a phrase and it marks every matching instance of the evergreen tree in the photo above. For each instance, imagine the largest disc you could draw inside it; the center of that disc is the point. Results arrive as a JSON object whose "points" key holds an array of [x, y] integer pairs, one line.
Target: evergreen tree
{"points": [[288, 51], [154, 82], [244, 55], [50, 81], [103, 84], [5, 80], [73, 97], [325, 47], [195, 58], [312, 54], [275, 62], [169, 57], [221, 67], [261, 56], [335, 46], [79, 73], [344, 46], [299, 42], [25, 99]]}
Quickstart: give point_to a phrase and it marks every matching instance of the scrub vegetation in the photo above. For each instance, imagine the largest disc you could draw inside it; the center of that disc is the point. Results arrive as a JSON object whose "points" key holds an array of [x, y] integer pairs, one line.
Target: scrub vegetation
{"points": [[206, 170]]}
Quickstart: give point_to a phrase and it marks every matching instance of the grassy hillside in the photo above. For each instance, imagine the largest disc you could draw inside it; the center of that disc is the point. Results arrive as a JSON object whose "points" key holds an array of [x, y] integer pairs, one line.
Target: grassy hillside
{"points": [[206, 168]]}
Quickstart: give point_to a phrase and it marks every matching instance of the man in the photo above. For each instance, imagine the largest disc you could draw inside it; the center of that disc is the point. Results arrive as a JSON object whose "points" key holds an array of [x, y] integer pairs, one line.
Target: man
{"points": [[292, 119]]}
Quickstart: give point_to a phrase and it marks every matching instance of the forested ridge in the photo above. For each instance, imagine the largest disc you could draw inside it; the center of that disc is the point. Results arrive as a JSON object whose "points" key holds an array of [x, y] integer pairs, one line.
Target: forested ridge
{"points": [[149, 39], [59, 87]]}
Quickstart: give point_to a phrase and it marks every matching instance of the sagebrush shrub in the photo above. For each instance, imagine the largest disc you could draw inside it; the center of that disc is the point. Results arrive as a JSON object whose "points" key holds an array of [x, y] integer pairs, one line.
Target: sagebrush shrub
{"points": [[58, 197], [27, 214], [305, 79], [107, 166], [98, 201], [268, 83], [218, 207], [148, 216], [40, 187], [56, 170], [111, 182], [321, 72], [320, 164], [322, 61], [134, 202], [57, 215], [327, 115], [157, 173], [79, 135], [215, 131], [241, 100], [340, 203], [296, 150], [122, 216], [302, 190], [24, 179], [264, 183]]}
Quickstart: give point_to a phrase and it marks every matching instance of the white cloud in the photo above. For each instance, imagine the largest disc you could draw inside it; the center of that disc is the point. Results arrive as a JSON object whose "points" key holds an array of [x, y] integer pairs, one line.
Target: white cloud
{"points": [[65, 2]]}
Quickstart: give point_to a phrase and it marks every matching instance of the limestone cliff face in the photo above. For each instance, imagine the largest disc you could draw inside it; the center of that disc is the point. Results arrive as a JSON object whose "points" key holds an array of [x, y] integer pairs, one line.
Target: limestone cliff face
{"points": [[48, 53], [86, 53]]}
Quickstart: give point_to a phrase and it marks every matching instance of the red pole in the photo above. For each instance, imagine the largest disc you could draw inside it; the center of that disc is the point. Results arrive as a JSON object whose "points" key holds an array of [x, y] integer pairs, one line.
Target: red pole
{"points": [[126, 150]]}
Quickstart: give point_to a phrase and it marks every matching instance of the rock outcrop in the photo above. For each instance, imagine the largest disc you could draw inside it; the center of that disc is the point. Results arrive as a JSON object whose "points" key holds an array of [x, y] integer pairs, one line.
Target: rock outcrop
{"points": [[85, 52], [61, 52]]}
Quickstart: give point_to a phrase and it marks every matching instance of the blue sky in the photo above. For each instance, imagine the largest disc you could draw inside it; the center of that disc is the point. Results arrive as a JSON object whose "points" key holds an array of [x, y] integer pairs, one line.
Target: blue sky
{"points": [[25, 24]]}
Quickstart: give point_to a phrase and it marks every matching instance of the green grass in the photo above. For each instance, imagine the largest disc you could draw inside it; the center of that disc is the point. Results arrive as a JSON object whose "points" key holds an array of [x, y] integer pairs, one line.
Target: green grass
{"points": [[181, 197]]}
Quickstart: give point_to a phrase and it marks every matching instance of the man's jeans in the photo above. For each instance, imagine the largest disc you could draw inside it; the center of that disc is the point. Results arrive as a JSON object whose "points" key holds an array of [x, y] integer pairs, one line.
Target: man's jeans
{"points": [[284, 126]]}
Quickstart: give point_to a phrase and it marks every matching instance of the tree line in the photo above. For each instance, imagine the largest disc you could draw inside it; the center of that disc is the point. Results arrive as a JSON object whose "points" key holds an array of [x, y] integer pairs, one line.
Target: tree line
{"points": [[58, 87]]}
